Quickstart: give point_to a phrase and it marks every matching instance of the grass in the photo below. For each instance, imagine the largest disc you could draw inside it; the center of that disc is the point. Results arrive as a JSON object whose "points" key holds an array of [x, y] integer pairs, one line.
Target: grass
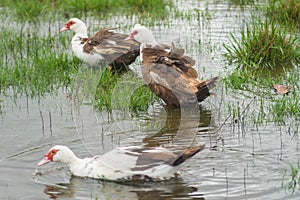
{"points": [[263, 45], [35, 64], [266, 54], [294, 184], [30, 65], [286, 107], [107, 91], [273, 108], [285, 12], [35, 10], [242, 2]]}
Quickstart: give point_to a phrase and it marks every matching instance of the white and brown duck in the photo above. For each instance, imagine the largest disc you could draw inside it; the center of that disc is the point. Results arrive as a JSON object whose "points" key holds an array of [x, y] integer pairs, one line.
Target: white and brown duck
{"points": [[169, 74], [104, 48], [124, 163]]}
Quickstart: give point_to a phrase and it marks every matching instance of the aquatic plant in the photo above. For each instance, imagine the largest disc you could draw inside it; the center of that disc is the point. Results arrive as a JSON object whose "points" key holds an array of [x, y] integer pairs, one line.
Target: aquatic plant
{"points": [[263, 45]]}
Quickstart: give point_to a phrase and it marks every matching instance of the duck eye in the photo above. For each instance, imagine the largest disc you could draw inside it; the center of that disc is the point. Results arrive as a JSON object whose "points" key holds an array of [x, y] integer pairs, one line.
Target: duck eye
{"points": [[53, 151]]}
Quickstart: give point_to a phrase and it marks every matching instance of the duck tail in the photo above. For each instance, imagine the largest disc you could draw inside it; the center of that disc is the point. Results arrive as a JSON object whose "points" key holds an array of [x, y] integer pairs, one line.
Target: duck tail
{"points": [[205, 87], [211, 83], [184, 155]]}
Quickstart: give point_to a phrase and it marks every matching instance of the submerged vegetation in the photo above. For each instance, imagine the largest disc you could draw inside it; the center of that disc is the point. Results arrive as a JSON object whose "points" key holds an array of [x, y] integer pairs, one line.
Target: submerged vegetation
{"points": [[243, 2]]}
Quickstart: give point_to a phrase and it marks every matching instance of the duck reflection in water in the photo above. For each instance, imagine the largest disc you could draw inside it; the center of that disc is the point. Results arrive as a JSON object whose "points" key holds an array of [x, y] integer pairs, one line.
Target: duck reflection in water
{"points": [[79, 188], [182, 127]]}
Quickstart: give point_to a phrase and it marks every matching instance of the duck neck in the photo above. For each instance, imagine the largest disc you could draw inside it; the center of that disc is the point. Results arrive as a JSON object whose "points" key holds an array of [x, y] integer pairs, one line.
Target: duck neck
{"points": [[80, 33], [77, 166], [81, 30], [77, 44], [69, 158], [151, 41]]}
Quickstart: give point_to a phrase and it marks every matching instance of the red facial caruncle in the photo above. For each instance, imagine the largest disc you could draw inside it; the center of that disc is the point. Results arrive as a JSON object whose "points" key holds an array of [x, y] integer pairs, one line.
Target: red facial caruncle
{"points": [[67, 26], [48, 157]]}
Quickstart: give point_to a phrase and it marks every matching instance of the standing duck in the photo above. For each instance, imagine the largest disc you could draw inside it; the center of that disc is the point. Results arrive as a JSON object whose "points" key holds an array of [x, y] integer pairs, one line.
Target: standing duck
{"points": [[104, 48], [124, 163], [169, 74]]}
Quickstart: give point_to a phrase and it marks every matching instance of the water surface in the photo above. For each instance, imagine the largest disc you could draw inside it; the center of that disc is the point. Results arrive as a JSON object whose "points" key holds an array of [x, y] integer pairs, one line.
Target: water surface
{"points": [[244, 161]]}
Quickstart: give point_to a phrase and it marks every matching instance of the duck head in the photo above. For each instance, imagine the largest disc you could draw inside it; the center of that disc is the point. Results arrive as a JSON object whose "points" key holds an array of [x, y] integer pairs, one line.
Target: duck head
{"points": [[142, 35], [75, 25], [58, 153]]}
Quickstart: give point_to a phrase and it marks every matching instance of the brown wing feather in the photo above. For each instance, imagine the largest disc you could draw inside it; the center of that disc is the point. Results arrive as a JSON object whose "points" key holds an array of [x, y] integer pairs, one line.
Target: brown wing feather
{"points": [[117, 51], [171, 76], [186, 154], [150, 157]]}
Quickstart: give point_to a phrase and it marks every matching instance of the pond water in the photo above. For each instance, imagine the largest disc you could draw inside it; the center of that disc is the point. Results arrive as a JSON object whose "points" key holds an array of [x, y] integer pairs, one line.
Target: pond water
{"points": [[242, 160]]}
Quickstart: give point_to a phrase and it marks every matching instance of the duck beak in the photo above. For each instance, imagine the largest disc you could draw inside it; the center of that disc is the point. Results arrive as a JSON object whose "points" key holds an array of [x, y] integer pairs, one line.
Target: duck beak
{"points": [[44, 161], [131, 36], [65, 28]]}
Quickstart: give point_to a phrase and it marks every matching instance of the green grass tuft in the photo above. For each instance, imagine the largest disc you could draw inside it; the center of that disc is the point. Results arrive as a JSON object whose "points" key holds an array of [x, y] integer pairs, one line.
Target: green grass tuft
{"points": [[263, 45]]}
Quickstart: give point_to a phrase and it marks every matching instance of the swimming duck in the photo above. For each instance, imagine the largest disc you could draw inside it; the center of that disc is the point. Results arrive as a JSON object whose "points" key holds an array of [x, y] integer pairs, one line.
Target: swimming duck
{"points": [[123, 163]]}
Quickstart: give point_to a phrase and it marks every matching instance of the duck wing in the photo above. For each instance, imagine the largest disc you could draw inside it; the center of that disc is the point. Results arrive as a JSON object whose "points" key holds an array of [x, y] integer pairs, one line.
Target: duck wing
{"points": [[113, 47], [138, 163], [170, 75], [136, 158]]}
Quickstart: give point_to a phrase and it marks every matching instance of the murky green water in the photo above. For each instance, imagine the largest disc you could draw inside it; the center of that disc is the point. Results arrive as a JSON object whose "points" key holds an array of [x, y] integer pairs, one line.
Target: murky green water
{"points": [[245, 161]]}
